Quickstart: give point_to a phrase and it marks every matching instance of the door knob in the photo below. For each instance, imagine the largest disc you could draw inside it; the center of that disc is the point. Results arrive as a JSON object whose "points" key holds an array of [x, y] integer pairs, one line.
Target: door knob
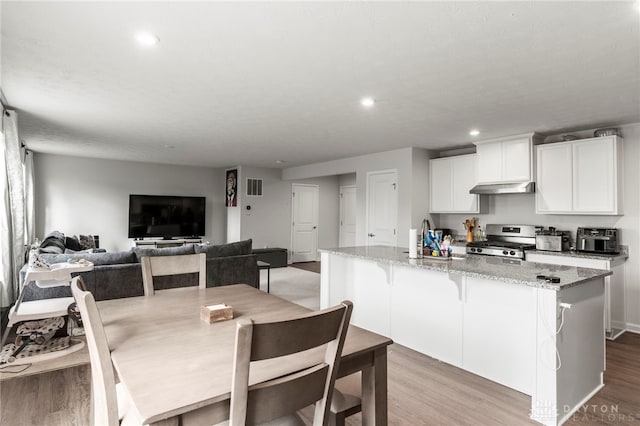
{"points": [[371, 235], [314, 227]]}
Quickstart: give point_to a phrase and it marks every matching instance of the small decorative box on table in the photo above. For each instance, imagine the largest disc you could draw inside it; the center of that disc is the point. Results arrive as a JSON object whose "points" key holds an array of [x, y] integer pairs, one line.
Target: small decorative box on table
{"points": [[214, 313]]}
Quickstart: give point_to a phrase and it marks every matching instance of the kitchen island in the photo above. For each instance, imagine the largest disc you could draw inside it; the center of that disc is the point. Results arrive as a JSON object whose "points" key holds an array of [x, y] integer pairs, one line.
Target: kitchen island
{"points": [[488, 315]]}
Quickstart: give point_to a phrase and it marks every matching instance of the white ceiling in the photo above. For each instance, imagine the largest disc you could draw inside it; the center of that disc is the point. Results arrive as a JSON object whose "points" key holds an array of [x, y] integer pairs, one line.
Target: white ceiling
{"points": [[252, 83]]}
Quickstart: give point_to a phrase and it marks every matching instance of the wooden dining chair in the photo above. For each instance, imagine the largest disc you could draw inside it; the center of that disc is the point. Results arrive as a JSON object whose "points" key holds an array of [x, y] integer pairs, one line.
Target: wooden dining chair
{"points": [[276, 399], [110, 401], [346, 400], [154, 266]]}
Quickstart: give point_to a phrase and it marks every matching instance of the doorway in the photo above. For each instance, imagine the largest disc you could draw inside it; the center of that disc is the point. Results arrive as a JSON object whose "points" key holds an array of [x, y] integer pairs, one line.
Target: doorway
{"points": [[382, 208], [347, 234], [304, 222]]}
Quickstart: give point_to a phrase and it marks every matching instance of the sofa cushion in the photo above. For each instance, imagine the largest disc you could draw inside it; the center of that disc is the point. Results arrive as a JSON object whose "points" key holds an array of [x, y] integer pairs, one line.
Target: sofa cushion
{"points": [[108, 258], [69, 251], [168, 251], [233, 270], [239, 248]]}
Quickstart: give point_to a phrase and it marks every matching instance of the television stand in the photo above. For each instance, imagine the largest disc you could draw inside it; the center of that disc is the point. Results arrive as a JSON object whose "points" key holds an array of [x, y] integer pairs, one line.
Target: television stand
{"points": [[162, 243]]}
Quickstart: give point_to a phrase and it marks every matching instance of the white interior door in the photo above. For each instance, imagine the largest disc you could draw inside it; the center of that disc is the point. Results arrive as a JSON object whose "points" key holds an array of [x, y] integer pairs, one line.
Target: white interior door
{"points": [[347, 216], [304, 235], [382, 208]]}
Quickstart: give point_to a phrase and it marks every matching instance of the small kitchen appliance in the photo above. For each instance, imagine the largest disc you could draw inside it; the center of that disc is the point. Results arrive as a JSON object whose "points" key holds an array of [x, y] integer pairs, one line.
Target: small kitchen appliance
{"points": [[552, 240], [505, 240], [598, 240]]}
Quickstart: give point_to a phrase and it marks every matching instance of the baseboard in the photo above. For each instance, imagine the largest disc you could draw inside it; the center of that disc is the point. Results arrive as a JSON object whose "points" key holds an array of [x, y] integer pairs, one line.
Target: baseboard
{"points": [[619, 325], [634, 328]]}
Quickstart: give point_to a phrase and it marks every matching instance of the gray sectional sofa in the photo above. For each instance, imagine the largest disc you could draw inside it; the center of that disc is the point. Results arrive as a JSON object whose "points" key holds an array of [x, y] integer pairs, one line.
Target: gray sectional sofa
{"points": [[119, 274]]}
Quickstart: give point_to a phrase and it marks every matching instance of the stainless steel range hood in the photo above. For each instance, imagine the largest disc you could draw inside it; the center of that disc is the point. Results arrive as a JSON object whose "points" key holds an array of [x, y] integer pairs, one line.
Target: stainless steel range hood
{"points": [[504, 188]]}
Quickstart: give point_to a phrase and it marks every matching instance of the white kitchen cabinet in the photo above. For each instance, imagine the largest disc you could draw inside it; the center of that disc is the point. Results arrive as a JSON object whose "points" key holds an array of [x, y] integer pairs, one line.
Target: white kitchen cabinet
{"points": [[554, 178], [363, 280], [450, 180], [516, 160], [580, 177], [614, 315], [489, 157], [503, 318], [595, 176], [427, 318], [505, 160]]}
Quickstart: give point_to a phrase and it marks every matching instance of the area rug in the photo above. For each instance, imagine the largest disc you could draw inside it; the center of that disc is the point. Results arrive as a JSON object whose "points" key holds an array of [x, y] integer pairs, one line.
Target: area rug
{"points": [[293, 284]]}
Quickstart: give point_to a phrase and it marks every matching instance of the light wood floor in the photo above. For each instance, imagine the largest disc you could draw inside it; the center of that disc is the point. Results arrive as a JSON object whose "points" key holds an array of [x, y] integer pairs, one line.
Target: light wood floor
{"points": [[422, 391]]}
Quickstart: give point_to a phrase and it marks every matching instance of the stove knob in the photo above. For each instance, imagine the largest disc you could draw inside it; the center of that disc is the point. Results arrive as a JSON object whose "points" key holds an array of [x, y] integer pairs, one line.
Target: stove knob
{"points": [[512, 253], [505, 252], [472, 250], [479, 250]]}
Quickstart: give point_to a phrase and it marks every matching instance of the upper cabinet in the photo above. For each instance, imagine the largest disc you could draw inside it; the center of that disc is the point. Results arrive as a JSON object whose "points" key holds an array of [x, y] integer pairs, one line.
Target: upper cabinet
{"points": [[580, 177], [505, 160], [450, 180]]}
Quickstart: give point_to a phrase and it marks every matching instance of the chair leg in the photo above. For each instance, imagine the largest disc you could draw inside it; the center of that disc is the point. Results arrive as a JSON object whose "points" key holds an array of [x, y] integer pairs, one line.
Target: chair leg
{"points": [[344, 403], [337, 419]]}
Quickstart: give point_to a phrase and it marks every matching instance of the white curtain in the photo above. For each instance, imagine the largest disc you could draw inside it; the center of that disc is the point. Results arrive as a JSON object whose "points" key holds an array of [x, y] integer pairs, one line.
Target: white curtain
{"points": [[29, 212], [16, 216]]}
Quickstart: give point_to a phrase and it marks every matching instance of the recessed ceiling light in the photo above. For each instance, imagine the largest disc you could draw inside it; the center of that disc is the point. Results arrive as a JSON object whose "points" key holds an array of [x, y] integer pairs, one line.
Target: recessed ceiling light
{"points": [[367, 102], [280, 161], [474, 132], [147, 39]]}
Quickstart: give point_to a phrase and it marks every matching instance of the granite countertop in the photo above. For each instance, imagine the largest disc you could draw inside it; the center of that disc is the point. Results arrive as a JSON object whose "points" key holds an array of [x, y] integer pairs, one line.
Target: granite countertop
{"points": [[585, 255], [490, 267]]}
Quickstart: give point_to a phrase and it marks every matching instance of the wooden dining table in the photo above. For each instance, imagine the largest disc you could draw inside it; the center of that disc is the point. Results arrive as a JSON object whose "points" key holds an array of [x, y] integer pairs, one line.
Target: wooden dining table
{"points": [[177, 368]]}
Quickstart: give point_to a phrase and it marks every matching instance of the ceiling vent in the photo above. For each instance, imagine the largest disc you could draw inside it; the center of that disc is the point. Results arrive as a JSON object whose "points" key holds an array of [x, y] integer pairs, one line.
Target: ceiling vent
{"points": [[254, 187]]}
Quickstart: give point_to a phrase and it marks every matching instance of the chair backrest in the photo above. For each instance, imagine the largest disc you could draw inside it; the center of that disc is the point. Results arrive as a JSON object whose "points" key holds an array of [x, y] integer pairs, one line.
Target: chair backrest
{"points": [[154, 266], [272, 399], [103, 384]]}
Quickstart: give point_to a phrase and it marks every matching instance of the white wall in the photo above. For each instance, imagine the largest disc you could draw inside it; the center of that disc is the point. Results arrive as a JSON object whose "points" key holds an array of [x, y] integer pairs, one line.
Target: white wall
{"points": [[347, 180], [420, 187], [399, 160], [77, 195], [520, 209], [268, 222]]}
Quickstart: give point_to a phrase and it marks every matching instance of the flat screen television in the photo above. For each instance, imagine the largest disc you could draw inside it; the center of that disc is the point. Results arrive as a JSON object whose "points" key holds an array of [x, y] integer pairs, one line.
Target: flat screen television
{"points": [[166, 216]]}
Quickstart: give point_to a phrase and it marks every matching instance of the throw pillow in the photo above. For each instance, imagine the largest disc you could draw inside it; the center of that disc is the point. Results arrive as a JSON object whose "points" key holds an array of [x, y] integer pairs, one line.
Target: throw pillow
{"points": [[86, 242], [223, 250], [72, 243], [53, 243]]}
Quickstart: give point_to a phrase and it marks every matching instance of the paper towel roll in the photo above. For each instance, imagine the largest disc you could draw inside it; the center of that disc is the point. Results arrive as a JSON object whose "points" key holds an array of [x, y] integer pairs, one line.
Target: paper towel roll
{"points": [[413, 243]]}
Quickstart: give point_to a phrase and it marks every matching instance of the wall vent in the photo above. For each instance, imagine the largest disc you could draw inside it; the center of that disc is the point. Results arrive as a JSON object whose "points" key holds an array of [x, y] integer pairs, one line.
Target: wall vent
{"points": [[254, 187]]}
